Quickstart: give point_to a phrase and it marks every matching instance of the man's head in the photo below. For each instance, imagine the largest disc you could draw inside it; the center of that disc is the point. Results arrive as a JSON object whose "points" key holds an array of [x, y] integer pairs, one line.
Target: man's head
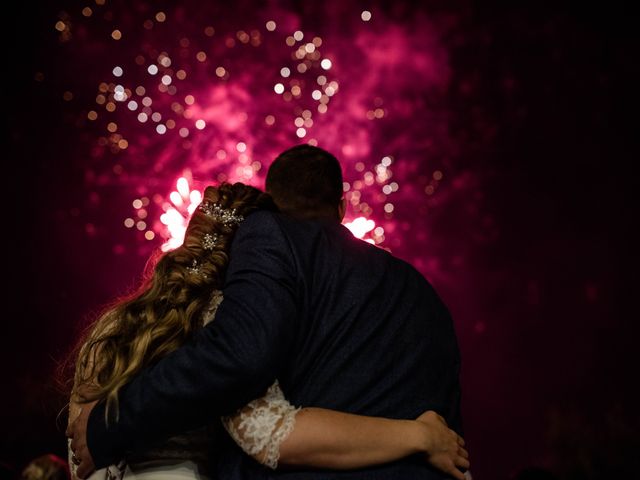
{"points": [[306, 182]]}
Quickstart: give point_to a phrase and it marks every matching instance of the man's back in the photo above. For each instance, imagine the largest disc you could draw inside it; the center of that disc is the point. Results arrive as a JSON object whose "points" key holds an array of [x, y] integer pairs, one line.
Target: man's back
{"points": [[372, 337]]}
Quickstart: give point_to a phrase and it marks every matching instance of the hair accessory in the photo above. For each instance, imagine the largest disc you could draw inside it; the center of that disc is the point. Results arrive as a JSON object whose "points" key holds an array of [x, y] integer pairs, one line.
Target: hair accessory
{"points": [[209, 241], [196, 269], [225, 216]]}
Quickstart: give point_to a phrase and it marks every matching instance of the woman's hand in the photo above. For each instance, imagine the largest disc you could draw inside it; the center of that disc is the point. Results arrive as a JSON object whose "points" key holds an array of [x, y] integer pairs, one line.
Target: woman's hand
{"points": [[444, 448]]}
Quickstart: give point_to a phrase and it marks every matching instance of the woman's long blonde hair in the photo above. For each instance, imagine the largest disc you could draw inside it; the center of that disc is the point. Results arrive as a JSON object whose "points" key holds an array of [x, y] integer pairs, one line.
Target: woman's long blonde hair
{"points": [[163, 312]]}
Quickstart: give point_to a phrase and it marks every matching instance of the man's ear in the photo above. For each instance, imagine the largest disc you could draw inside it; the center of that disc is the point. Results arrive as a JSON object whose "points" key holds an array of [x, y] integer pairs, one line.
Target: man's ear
{"points": [[342, 208]]}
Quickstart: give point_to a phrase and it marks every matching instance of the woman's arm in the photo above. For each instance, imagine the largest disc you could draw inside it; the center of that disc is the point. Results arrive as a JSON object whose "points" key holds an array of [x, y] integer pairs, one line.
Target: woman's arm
{"points": [[337, 440], [276, 434]]}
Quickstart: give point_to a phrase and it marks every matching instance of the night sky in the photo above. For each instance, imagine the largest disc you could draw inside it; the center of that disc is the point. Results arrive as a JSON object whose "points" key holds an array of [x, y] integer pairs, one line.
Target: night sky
{"points": [[492, 145]]}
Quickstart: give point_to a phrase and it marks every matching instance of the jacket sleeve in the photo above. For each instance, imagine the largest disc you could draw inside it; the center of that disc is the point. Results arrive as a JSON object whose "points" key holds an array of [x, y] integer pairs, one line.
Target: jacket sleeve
{"points": [[228, 363]]}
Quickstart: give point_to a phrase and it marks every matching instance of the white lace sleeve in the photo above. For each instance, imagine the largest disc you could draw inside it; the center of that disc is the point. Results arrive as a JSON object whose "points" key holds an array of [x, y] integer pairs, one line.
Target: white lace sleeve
{"points": [[260, 427]]}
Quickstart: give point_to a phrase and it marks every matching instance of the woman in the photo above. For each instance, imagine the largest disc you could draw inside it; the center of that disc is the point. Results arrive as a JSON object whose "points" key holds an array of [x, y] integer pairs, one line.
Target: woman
{"points": [[180, 295]]}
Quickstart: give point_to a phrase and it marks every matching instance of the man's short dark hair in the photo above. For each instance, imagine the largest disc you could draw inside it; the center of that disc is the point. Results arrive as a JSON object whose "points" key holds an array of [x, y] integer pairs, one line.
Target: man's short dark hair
{"points": [[306, 182]]}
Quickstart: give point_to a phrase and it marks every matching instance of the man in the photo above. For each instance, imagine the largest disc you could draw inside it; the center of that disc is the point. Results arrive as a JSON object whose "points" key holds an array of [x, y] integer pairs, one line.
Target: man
{"points": [[342, 324]]}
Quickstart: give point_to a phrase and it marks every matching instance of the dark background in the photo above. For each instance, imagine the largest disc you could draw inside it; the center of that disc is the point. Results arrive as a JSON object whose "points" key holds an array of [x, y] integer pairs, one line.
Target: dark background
{"points": [[545, 101]]}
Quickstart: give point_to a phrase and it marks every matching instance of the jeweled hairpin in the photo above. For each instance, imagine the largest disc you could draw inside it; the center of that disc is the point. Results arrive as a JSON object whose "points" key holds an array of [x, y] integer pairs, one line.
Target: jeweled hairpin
{"points": [[225, 216], [209, 241], [196, 269]]}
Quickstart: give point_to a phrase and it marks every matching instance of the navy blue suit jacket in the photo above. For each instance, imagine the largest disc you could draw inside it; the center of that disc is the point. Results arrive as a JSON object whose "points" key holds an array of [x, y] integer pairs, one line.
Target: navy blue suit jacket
{"points": [[341, 324]]}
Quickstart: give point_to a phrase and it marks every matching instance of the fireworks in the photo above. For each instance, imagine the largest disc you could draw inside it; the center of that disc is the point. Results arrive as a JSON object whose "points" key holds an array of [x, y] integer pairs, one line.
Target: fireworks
{"points": [[198, 94]]}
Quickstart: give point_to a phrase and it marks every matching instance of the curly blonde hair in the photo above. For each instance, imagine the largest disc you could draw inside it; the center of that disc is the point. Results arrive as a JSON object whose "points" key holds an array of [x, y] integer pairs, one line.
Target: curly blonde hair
{"points": [[164, 311]]}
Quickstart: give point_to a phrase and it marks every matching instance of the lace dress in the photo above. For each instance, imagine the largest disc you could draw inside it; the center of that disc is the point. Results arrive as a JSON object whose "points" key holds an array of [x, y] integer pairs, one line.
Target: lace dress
{"points": [[259, 428]]}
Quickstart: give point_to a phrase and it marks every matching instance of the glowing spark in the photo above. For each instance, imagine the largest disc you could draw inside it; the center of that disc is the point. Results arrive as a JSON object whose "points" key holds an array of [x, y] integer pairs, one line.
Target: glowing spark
{"points": [[176, 199], [183, 187], [360, 226], [176, 217], [326, 64]]}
